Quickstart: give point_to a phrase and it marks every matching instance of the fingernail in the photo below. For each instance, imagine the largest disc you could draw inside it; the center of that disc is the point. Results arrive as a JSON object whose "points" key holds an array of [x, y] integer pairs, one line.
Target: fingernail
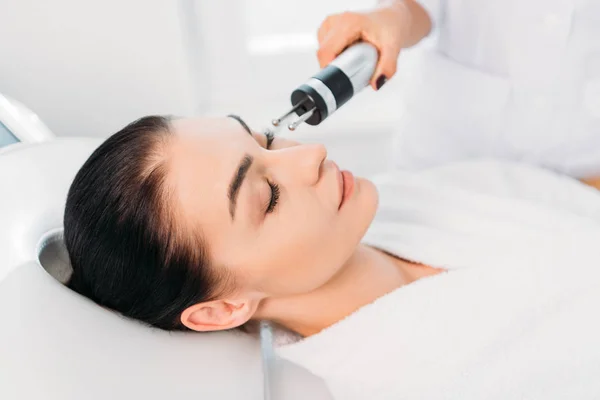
{"points": [[380, 81]]}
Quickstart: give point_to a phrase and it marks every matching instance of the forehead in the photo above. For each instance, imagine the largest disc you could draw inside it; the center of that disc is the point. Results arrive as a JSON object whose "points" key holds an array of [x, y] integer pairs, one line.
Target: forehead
{"points": [[207, 128], [202, 160], [207, 145]]}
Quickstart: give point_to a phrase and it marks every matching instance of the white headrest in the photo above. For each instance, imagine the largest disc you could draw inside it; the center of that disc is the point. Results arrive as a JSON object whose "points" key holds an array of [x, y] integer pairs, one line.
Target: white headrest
{"points": [[55, 344]]}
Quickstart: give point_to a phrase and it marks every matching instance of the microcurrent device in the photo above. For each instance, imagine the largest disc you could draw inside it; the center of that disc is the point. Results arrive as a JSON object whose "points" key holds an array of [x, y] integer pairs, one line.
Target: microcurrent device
{"points": [[332, 87]]}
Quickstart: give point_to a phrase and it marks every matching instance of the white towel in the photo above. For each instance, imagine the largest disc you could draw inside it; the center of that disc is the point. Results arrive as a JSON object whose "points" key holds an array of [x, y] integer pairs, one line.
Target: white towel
{"points": [[517, 315]]}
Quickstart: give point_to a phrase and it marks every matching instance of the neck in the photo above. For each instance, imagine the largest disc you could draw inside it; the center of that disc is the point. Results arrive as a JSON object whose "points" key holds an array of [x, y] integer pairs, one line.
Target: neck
{"points": [[366, 276]]}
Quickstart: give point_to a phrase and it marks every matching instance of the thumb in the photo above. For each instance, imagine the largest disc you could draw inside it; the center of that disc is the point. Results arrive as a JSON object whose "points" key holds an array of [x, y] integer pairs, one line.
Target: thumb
{"points": [[386, 68]]}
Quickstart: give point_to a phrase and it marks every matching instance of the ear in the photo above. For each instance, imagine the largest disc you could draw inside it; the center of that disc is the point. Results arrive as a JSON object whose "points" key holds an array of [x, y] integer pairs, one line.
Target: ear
{"points": [[219, 315]]}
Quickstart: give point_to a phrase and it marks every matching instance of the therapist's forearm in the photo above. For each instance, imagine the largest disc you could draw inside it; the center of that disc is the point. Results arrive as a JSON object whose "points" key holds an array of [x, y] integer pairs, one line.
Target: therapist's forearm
{"points": [[418, 19]]}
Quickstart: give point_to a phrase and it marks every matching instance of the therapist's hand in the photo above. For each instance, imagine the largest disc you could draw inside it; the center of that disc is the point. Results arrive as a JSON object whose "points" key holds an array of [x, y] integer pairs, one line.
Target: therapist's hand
{"points": [[394, 25], [385, 28]]}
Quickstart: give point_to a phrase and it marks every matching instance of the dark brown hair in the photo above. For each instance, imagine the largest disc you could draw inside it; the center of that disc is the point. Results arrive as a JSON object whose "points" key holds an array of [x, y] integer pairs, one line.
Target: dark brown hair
{"points": [[129, 249]]}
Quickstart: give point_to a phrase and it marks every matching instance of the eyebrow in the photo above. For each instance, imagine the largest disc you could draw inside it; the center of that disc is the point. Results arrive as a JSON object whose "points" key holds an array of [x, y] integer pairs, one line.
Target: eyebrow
{"points": [[236, 182], [240, 174], [242, 122], [268, 134]]}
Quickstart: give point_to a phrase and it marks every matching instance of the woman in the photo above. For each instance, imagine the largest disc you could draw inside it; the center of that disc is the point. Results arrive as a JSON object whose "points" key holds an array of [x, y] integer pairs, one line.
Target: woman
{"points": [[202, 224], [194, 223], [511, 79]]}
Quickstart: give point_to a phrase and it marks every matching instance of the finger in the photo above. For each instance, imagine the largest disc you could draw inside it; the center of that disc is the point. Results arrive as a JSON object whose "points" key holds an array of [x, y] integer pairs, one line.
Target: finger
{"points": [[336, 42], [341, 30], [324, 29], [386, 67]]}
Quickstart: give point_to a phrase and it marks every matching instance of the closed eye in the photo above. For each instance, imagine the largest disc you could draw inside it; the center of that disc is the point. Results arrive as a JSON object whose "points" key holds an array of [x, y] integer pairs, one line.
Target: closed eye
{"points": [[274, 188], [274, 199]]}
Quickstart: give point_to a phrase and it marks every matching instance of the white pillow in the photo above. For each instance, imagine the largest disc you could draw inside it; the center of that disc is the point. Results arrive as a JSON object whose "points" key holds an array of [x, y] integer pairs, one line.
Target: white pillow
{"points": [[55, 344]]}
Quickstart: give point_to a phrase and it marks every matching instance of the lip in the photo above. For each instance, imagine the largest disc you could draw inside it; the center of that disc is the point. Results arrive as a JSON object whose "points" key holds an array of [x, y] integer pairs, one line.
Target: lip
{"points": [[346, 185]]}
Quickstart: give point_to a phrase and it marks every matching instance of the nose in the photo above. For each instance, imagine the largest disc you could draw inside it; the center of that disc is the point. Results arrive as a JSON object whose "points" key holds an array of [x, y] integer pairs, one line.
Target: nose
{"points": [[301, 163]]}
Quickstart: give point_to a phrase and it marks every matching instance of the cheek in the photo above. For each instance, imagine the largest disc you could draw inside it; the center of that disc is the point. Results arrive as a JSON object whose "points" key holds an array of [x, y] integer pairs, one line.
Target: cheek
{"points": [[306, 252], [303, 247], [323, 235]]}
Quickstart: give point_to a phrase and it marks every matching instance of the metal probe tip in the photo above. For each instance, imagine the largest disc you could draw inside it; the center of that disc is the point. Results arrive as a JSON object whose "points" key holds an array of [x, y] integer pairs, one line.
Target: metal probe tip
{"points": [[303, 118], [278, 121]]}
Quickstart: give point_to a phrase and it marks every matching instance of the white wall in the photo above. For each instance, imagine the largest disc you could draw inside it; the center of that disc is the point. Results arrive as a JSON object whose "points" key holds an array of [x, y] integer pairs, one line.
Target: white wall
{"points": [[89, 67]]}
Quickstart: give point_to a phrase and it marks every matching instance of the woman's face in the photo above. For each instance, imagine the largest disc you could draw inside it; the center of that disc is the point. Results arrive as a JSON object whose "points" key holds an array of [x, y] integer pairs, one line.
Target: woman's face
{"points": [[272, 217]]}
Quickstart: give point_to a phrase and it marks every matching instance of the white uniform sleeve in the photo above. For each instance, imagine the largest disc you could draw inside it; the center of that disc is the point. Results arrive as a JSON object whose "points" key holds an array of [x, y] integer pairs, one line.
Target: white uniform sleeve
{"points": [[435, 9]]}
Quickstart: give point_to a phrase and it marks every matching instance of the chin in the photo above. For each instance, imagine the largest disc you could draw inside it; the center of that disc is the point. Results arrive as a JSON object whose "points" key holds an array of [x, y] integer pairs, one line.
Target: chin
{"points": [[364, 206], [367, 196]]}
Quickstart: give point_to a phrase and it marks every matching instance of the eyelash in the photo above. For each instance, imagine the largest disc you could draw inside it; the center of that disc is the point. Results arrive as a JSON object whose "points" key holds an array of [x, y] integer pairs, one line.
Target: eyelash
{"points": [[274, 187], [274, 197]]}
